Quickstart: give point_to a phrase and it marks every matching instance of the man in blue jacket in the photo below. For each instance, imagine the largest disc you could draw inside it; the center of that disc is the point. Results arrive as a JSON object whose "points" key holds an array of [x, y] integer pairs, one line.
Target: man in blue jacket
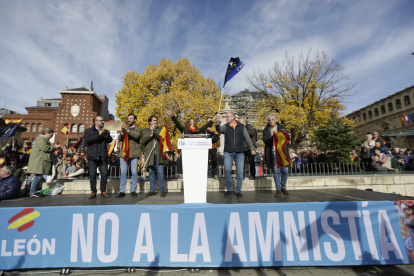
{"points": [[235, 135], [9, 184], [97, 153]]}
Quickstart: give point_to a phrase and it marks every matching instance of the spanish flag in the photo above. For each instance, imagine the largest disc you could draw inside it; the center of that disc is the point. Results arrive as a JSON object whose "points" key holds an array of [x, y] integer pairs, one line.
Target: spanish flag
{"points": [[29, 151], [65, 129], [8, 121], [268, 85], [111, 147], [282, 139], [17, 121], [1, 161], [20, 150], [125, 147], [165, 142]]}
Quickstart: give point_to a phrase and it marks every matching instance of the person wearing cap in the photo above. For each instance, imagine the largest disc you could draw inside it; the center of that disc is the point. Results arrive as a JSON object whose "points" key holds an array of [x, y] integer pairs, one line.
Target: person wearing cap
{"points": [[398, 162]]}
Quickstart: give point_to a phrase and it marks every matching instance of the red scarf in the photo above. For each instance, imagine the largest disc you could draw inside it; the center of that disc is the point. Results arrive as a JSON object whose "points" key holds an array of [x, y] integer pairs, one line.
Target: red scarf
{"points": [[234, 127], [192, 129]]}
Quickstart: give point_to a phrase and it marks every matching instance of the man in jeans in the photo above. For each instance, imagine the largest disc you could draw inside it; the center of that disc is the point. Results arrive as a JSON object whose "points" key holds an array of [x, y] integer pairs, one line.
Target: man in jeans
{"points": [[235, 135], [153, 157], [134, 138], [280, 174], [97, 137]]}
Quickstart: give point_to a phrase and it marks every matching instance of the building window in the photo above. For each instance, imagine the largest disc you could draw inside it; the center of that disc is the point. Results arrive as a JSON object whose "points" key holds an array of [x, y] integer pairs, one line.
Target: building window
{"points": [[72, 142], [74, 129], [398, 104], [370, 114], [39, 127], [353, 118], [386, 128], [382, 109], [28, 127], [81, 128], [34, 128], [376, 112], [48, 104], [407, 100], [364, 116], [390, 106]]}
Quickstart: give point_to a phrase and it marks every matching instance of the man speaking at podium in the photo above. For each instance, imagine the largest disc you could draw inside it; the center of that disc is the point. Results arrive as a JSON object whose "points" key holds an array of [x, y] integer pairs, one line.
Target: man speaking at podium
{"points": [[235, 135]]}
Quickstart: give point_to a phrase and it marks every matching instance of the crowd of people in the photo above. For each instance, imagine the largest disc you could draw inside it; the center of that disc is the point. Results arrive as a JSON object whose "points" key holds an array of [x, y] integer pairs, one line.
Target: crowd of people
{"points": [[27, 167]]}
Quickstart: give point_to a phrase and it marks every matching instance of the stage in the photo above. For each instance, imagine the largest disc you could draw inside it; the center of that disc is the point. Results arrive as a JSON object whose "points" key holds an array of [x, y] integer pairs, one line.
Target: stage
{"points": [[313, 195]]}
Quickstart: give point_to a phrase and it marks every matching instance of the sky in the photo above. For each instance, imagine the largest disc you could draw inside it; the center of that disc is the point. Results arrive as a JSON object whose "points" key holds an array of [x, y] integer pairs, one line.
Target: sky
{"points": [[48, 45]]}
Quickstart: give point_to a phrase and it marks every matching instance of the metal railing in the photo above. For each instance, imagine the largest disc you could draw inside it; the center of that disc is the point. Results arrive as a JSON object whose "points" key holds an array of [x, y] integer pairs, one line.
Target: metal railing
{"points": [[311, 169]]}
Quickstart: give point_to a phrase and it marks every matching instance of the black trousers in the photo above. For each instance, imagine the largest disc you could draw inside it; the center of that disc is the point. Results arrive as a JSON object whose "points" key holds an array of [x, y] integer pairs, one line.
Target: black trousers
{"points": [[103, 169], [213, 156], [249, 158]]}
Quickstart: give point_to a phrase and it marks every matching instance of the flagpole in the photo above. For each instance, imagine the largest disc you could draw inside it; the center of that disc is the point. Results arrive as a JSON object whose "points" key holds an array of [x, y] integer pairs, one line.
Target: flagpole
{"points": [[221, 96]]}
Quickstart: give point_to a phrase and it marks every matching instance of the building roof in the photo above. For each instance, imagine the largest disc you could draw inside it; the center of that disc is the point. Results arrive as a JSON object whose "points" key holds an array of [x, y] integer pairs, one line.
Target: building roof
{"points": [[78, 89], [55, 99], [408, 88], [49, 107], [81, 90]]}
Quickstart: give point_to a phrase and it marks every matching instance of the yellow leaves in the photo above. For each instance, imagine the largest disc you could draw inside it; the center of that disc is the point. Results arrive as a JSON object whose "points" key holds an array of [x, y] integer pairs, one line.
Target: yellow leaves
{"points": [[176, 86]]}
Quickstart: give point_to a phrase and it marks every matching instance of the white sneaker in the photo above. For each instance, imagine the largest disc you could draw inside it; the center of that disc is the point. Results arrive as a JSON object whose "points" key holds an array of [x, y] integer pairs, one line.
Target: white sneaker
{"points": [[34, 195]]}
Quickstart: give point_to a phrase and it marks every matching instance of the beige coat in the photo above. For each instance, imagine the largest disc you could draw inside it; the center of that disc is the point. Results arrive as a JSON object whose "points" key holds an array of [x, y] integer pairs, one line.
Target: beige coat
{"points": [[41, 158]]}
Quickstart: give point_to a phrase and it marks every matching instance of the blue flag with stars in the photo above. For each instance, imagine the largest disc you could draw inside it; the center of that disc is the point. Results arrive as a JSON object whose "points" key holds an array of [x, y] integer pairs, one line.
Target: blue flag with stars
{"points": [[235, 65]]}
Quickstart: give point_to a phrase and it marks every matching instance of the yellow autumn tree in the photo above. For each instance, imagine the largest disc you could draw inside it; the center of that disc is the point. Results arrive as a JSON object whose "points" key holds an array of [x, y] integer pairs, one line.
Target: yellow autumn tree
{"points": [[304, 95], [177, 86]]}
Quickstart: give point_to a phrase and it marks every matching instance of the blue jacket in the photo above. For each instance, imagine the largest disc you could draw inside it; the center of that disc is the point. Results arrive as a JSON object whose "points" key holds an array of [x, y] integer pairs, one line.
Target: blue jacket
{"points": [[384, 149], [9, 187], [257, 158]]}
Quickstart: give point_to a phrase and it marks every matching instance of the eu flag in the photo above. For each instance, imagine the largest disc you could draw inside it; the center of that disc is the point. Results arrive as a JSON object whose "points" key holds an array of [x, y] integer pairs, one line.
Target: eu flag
{"points": [[7, 132], [235, 65]]}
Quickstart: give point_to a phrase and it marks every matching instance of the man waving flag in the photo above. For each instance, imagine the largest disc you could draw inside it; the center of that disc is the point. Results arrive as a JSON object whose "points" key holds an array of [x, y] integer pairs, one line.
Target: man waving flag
{"points": [[282, 139]]}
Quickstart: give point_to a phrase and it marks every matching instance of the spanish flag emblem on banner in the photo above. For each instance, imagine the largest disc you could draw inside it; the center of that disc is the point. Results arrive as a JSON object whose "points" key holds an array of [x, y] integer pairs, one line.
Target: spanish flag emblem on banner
{"points": [[111, 147], [165, 142], [268, 85], [65, 129], [125, 147], [29, 151], [282, 139]]}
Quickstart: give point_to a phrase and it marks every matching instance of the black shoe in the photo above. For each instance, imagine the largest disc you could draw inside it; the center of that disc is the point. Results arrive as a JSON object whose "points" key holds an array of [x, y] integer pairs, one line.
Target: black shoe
{"points": [[228, 193], [252, 177], [121, 194], [134, 194], [238, 194]]}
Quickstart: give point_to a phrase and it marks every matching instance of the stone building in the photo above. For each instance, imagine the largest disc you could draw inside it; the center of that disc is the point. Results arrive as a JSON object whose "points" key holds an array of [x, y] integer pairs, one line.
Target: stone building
{"points": [[384, 116], [76, 108]]}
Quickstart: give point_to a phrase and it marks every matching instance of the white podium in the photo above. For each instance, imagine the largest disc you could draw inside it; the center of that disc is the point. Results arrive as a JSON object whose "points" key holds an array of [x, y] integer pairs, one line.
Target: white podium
{"points": [[194, 153]]}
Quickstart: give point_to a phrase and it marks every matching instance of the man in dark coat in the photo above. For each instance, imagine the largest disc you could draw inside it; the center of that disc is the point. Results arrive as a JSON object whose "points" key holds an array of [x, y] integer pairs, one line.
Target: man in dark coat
{"points": [[280, 174], [248, 155], [9, 184], [97, 137]]}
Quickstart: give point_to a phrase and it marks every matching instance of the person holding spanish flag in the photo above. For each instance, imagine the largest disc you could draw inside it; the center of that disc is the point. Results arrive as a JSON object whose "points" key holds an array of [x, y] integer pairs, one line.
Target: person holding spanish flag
{"points": [[190, 127], [277, 153], [131, 142]]}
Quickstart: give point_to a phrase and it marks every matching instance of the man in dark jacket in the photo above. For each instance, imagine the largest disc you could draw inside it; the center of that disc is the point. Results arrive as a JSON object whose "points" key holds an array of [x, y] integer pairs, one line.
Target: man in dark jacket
{"points": [[248, 155], [96, 137], [134, 138], [280, 174], [235, 135], [9, 184]]}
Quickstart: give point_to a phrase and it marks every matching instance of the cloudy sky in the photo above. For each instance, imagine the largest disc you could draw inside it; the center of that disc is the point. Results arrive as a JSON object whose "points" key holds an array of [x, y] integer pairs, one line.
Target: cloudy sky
{"points": [[47, 45]]}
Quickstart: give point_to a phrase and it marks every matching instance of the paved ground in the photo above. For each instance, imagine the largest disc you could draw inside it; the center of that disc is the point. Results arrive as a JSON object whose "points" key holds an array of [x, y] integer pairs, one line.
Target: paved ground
{"points": [[286, 271]]}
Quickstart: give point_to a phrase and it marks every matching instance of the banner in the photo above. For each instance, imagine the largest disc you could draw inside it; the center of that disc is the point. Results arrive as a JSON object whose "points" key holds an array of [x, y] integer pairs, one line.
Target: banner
{"points": [[206, 235]]}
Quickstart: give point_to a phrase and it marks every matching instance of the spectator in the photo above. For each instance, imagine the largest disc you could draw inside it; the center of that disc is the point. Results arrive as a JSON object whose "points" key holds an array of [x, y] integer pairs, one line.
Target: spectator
{"points": [[114, 165], [68, 168], [257, 159], [377, 137], [354, 156], [409, 153], [249, 155], [398, 162], [366, 148], [220, 164], [380, 161], [9, 184], [41, 158], [79, 170], [235, 135], [379, 144]]}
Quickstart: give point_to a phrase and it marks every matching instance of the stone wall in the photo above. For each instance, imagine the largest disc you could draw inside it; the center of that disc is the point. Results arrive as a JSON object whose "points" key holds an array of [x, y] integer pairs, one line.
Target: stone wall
{"points": [[399, 184]]}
